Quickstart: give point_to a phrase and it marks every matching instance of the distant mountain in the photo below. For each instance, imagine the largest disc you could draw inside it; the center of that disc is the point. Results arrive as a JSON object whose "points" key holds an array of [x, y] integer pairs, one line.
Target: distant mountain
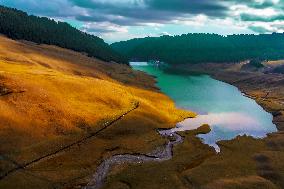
{"points": [[203, 48], [19, 25]]}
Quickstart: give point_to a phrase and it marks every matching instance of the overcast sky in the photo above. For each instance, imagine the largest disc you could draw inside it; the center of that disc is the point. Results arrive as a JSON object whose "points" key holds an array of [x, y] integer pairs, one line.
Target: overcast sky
{"points": [[116, 20]]}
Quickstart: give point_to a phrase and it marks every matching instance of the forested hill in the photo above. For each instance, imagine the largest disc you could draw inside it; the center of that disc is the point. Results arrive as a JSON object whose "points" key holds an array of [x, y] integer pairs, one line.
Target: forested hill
{"points": [[19, 25], [203, 48]]}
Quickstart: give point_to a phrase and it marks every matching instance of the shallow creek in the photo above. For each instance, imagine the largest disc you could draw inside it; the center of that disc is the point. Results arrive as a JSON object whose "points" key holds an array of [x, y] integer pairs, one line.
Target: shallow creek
{"points": [[162, 154]]}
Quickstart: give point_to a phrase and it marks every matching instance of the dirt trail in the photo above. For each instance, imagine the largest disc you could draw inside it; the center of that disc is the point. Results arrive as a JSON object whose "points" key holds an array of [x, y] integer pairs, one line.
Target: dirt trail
{"points": [[105, 126]]}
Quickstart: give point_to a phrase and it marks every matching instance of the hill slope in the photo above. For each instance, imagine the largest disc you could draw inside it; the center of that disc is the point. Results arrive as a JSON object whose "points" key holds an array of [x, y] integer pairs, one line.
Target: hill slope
{"points": [[51, 98], [203, 48], [19, 25]]}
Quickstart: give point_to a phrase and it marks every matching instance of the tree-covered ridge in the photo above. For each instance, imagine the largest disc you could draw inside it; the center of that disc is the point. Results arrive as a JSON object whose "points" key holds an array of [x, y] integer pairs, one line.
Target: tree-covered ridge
{"points": [[200, 48], [19, 25]]}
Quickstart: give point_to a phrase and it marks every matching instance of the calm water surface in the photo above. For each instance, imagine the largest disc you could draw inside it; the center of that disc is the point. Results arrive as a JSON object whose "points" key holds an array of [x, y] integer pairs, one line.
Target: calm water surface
{"points": [[218, 104]]}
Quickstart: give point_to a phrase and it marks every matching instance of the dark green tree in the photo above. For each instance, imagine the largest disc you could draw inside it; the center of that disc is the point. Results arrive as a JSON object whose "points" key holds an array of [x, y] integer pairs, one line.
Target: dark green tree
{"points": [[19, 25], [204, 48]]}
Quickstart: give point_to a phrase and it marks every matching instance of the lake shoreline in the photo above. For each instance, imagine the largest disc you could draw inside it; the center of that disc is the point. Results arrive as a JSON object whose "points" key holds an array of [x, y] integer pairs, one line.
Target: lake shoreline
{"points": [[247, 83], [243, 162], [219, 104]]}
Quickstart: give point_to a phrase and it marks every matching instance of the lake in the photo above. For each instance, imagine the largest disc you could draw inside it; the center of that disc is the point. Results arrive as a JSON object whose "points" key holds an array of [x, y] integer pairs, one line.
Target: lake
{"points": [[228, 112]]}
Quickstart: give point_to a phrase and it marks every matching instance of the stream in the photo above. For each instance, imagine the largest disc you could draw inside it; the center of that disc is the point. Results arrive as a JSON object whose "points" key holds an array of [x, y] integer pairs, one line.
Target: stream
{"points": [[161, 154], [228, 112]]}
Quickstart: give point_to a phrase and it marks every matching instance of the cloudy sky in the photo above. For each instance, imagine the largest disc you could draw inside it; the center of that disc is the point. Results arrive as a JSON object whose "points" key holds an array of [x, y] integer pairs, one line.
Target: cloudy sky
{"points": [[115, 20]]}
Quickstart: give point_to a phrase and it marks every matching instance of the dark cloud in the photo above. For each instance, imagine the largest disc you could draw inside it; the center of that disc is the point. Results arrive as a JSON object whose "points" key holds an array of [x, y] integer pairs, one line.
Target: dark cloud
{"points": [[131, 18], [259, 29], [137, 12], [94, 18], [164, 11], [257, 4], [207, 7], [124, 21], [265, 4], [50, 8], [141, 12], [254, 18]]}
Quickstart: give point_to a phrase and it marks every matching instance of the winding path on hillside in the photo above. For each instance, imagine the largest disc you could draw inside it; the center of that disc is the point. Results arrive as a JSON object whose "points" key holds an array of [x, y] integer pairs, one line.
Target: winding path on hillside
{"points": [[49, 155]]}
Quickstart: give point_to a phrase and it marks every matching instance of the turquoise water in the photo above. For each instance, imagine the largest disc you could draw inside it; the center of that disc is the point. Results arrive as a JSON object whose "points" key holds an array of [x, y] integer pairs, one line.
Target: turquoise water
{"points": [[218, 104]]}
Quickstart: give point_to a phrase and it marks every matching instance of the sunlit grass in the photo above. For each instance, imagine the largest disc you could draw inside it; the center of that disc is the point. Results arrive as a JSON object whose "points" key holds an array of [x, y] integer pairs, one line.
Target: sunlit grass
{"points": [[60, 95]]}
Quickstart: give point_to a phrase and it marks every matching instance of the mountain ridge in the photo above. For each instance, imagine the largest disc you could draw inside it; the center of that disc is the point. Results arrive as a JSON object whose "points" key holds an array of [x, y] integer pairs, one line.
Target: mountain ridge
{"points": [[19, 25], [203, 48]]}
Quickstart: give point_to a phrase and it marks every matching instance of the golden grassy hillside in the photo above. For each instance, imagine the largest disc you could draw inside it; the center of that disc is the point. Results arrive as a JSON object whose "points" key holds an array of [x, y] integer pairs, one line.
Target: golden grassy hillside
{"points": [[54, 102], [51, 97]]}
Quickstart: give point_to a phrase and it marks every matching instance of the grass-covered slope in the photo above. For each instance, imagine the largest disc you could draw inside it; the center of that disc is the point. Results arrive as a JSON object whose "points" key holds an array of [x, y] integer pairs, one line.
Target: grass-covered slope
{"points": [[19, 25], [203, 48], [51, 98]]}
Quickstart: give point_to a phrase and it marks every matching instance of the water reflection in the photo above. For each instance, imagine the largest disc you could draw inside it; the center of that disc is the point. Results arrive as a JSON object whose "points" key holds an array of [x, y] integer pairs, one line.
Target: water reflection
{"points": [[225, 126], [218, 104]]}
